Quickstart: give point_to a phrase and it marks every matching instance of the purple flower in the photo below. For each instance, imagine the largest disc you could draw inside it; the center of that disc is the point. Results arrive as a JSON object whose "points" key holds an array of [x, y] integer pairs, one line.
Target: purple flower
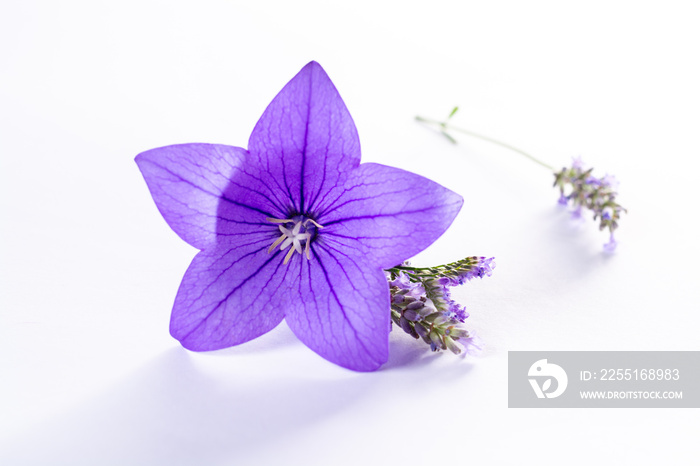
{"points": [[482, 267], [576, 213], [596, 195], [610, 181], [402, 282], [293, 228], [472, 345], [611, 245]]}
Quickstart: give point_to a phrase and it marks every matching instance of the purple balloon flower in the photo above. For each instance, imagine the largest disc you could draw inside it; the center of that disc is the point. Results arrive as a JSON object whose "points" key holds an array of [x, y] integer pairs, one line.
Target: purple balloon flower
{"points": [[293, 228]]}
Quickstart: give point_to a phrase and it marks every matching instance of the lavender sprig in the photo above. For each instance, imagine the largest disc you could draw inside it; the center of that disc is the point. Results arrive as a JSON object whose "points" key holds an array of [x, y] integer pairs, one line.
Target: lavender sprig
{"points": [[578, 187], [422, 305], [576, 184]]}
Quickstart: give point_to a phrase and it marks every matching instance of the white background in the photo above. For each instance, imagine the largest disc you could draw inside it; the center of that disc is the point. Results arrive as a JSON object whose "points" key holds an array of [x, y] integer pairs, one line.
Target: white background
{"points": [[88, 268]]}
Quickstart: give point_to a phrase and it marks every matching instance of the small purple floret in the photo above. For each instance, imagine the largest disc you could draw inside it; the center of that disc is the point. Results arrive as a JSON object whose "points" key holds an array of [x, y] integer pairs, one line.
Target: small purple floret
{"points": [[473, 345], [413, 289], [611, 245], [610, 181], [484, 268]]}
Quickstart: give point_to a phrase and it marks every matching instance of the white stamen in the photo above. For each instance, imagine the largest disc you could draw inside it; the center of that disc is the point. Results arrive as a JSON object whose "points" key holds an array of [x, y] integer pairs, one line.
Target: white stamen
{"points": [[293, 236], [288, 256], [279, 220], [277, 242], [317, 225]]}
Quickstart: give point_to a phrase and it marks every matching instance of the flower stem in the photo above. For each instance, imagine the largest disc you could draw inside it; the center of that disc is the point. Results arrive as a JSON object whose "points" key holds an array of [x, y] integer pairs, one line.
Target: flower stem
{"points": [[453, 268], [444, 127]]}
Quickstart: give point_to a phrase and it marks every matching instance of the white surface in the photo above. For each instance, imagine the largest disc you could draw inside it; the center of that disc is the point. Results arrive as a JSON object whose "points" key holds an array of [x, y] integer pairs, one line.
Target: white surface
{"points": [[89, 270]]}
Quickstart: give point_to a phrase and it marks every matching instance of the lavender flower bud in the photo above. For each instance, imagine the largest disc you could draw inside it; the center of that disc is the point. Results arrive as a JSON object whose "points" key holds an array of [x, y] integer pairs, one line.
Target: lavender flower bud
{"points": [[458, 333], [407, 327], [415, 305], [435, 338], [452, 346], [421, 330]]}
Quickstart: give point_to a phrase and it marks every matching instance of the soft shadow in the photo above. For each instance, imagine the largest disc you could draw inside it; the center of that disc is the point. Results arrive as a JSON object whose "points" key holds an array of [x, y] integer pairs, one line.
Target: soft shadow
{"points": [[414, 360], [183, 409], [171, 412], [576, 242], [405, 351]]}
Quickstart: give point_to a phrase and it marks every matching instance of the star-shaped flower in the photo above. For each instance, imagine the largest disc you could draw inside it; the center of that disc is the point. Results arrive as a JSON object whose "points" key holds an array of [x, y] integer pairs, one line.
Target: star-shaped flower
{"points": [[293, 228]]}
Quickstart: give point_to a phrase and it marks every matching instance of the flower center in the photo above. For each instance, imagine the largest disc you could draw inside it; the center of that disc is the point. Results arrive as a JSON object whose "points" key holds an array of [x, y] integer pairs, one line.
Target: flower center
{"points": [[302, 229]]}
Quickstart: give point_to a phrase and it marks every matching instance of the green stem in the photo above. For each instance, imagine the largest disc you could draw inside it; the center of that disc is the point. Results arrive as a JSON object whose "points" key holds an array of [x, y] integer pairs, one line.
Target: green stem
{"points": [[445, 127], [411, 269]]}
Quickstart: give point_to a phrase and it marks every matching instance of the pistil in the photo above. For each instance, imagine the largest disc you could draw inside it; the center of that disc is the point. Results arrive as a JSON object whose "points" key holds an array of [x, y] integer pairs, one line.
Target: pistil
{"points": [[303, 229]]}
